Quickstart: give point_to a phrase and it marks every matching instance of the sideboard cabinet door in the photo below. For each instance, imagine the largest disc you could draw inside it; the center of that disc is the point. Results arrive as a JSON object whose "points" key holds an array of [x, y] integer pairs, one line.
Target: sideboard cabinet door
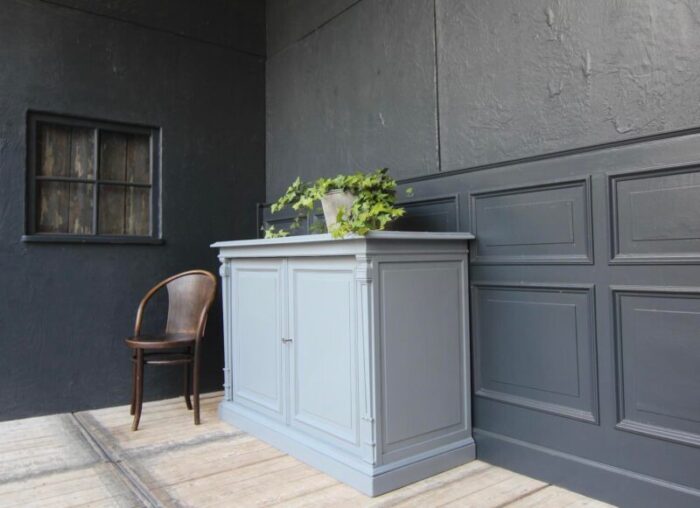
{"points": [[323, 354], [258, 327]]}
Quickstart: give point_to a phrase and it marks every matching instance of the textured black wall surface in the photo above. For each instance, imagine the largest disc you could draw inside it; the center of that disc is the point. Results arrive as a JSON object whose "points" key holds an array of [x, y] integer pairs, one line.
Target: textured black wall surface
{"points": [[433, 85], [356, 93], [65, 308], [237, 24]]}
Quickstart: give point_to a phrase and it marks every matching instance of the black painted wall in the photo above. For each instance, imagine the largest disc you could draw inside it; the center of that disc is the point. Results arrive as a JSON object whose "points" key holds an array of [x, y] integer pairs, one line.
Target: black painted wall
{"points": [[198, 73], [424, 86]]}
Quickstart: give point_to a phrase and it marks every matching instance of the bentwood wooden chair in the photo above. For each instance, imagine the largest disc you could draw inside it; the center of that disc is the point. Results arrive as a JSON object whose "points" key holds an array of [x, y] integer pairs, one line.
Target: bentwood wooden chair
{"points": [[190, 295]]}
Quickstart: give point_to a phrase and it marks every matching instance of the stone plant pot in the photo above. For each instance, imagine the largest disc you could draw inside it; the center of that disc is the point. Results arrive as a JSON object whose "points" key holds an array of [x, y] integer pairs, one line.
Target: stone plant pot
{"points": [[332, 202]]}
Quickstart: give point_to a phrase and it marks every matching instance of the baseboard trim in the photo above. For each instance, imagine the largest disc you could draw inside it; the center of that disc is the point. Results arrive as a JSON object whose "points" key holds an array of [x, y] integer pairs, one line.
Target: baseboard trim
{"points": [[595, 479]]}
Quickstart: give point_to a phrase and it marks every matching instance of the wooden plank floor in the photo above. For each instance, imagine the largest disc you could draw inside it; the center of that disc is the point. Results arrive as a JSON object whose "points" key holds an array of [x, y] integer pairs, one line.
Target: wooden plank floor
{"points": [[93, 459]]}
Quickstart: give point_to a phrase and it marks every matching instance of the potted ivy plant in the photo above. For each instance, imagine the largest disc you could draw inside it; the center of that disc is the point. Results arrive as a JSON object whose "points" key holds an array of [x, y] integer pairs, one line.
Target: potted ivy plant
{"points": [[353, 204]]}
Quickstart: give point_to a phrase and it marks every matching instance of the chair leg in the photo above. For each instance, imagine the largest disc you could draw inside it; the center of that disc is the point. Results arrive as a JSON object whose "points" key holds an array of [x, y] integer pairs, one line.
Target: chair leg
{"points": [[188, 367], [133, 384], [195, 383], [139, 389]]}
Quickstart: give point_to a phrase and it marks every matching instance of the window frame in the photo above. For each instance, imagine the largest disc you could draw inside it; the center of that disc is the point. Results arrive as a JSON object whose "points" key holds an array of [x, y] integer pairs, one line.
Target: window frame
{"points": [[34, 120]]}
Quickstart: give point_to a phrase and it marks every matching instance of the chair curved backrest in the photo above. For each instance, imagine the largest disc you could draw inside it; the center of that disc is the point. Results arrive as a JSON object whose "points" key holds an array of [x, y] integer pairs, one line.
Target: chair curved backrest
{"points": [[190, 296]]}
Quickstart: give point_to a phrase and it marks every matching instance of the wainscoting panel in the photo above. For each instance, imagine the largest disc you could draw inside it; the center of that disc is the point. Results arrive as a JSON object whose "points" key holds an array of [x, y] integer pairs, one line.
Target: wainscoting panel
{"points": [[432, 214], [658, 358], [547, 223], [536, 347], [655, 216]]}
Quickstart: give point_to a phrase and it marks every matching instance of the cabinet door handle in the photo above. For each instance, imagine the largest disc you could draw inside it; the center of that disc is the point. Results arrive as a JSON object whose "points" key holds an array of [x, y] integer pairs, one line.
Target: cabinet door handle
{"points": [[286, 340]]}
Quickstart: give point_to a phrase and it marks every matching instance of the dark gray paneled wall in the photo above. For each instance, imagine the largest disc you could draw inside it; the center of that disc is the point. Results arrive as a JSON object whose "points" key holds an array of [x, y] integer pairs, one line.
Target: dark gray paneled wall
{"points": [[585, 294], [585, 313], [361, 88], [64, 309]]}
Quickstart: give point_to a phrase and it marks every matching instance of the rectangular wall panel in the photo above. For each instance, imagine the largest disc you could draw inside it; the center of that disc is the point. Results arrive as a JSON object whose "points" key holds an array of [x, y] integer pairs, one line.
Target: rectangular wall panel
{"points": [[534, 346], [547, 223], [658, 362], [432, 214], [655, 216]]}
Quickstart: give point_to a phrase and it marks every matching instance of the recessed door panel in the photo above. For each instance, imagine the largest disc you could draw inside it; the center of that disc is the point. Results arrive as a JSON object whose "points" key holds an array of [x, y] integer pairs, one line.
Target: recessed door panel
{"points": [[323, 352], [258, 367]]}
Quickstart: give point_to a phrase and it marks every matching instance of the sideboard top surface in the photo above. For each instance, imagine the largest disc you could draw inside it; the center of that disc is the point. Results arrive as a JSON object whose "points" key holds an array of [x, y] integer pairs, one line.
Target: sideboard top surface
{"points": [[375, 242]]}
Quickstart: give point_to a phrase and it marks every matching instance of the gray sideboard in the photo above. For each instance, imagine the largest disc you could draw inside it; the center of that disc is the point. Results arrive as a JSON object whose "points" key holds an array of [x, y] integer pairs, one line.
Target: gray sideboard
{"points": [[351, 355]]}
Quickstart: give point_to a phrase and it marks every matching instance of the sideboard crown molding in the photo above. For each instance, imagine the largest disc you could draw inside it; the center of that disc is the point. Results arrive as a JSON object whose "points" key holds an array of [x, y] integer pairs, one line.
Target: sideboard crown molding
{"points": [[374, 243]]}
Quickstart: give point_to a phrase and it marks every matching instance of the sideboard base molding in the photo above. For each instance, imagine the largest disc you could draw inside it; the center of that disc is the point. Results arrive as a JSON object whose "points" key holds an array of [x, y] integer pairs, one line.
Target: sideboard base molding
{"points": [[372, 481]]}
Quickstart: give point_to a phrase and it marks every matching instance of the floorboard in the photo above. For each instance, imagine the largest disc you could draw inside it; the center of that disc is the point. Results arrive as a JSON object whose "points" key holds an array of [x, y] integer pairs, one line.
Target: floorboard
{"points": [[93, 458]]}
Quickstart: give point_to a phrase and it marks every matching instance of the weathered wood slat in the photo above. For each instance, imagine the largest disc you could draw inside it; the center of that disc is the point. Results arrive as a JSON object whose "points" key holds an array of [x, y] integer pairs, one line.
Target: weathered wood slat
{"points": [[458, 475], [53, 160], [112, 201], [41, 445], [113, 156], [97, 485], [54, 150], [556, 497], [276, 487], [229, 477], [445, 487], [81, 196], [52, 207], [335, 495], [512, 486], [112, 198], [82, 163], [138, 159], [137, 212], [204, 471], [81, 203]]}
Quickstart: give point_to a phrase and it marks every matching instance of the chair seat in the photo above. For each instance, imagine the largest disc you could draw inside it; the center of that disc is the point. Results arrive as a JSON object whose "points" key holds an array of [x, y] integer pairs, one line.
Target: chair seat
{"points": [[167, 341]]}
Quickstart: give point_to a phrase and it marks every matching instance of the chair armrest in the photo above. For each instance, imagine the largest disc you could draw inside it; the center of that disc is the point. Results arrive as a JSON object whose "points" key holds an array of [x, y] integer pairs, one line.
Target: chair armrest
{"points": [[139, 317], [142, 307]]}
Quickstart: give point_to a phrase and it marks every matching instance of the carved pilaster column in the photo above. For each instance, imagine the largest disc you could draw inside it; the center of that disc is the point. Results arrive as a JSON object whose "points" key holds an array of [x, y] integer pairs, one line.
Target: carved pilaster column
{"points": [[365, 327], [225, 272]]}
